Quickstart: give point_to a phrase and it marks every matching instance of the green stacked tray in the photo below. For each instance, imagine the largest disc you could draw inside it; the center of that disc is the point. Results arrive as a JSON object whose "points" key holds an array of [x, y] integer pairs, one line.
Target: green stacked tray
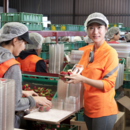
{"points": [[45, 47], [44, 55], [80, 115], [81, 28], [128, 29], [55, 27], [127, 75], [123, 29], [67, 46], [126, 84], [44, 126], [31, 25], [21, 17], [40, 79], [76, 45], [120, 25]]}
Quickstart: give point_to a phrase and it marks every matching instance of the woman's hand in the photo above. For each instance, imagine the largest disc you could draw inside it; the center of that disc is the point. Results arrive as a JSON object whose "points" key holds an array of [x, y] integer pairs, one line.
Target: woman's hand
{"points": [[42, 101], [29, 93], [75, 78]]}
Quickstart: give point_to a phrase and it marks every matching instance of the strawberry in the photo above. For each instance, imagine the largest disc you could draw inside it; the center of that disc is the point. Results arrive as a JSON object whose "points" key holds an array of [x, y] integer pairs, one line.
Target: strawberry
{"points": [[49, 99], [69, 73], [62, 72], [44, 88], [24, 87], [51, 95], [35, 87]]}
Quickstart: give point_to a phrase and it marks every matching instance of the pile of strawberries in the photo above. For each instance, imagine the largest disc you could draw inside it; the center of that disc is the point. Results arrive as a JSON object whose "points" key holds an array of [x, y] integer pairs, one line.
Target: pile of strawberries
{"points": [[63, 74], [41, 91]]}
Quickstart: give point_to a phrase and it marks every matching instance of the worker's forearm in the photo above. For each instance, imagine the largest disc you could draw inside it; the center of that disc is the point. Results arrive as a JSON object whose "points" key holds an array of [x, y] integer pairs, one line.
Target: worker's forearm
{"points": [[94, 83]]}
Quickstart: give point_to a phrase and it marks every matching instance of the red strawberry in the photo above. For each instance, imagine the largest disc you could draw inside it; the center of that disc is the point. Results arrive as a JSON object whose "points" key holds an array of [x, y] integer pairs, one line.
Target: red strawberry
{"points": [[42, 91], [62, 72], [24, 87], [49, 99], [51, 95], [44, 88], [69, 73], [35, 87]]}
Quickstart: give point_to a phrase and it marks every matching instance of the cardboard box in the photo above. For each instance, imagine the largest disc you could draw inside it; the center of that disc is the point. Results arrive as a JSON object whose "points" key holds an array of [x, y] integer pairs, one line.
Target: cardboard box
{"points": [[120, 121], [81, 124], [119, 124], [125, 104], [127, 92]]}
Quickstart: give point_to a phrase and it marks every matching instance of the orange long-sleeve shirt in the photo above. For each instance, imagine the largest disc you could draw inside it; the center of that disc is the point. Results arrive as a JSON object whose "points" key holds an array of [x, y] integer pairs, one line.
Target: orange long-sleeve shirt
{"points": [[98, 103]]}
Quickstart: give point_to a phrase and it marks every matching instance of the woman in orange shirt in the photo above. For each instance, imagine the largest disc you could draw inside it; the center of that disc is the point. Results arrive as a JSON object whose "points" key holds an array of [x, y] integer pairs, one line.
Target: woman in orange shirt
{"points": [[100, 64]]}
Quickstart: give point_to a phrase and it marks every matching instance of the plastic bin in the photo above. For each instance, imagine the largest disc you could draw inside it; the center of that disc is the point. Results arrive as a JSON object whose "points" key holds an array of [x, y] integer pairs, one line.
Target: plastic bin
{"points": [[67, 67], [81, 28], [45, 47], [42, 126], [127, 29], [127, 75], [56, 27], [76, 45], [126, 84], [120, 25], [45, 55], [80, 115], [63, 27], [123, 29], [31, 25], [67, 46], [40, 79], [21, 17]]}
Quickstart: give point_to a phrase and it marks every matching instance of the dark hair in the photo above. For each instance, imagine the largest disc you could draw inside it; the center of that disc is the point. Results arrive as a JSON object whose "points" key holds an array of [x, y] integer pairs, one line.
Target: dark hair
{"points": [[7, 42], [117, 33]]}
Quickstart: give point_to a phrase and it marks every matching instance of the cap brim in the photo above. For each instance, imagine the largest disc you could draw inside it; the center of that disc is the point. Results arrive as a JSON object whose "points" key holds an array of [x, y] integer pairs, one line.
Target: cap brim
{"points": [[96, 21], [25, 37]]}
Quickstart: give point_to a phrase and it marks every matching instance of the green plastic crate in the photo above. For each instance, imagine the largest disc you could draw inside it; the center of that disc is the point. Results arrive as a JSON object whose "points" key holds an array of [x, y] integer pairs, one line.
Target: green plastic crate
{"points": [[45, 55], [55, 27], [63, 27], [42, 126], [76, 45], [81, 28], [31, 25], [21, 17], [46, 28], [122, 61], [80, 115], [48, 80], [67, 67], [67, 46], [45, 47], [116, 94], [126, 84], [120, 25], [127, 28], [34, 26], [123, 29], [127, 75]]}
